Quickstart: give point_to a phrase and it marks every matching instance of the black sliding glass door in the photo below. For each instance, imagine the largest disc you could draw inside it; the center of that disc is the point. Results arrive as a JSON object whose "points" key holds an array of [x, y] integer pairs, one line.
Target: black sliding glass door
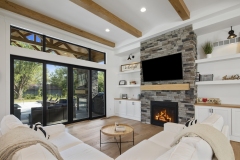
{"points": [[98, 93], [80, 93], [51, 93], [27, 91], [57, 93]]}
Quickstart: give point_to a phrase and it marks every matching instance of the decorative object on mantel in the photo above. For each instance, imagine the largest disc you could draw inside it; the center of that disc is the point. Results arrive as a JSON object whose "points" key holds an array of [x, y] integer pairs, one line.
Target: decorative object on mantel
{"points": [[231, 34], [206, 77], [209, 100], [233, 77], [208, 48], [130, 67], [129, 57], [122, 82], [133, 82], [124, 96]]}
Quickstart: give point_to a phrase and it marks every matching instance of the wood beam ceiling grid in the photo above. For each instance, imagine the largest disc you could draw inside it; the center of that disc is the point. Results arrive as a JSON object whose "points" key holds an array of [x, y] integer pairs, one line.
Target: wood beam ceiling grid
{"points": [[101, 12], [52, 22], [181, 9]]}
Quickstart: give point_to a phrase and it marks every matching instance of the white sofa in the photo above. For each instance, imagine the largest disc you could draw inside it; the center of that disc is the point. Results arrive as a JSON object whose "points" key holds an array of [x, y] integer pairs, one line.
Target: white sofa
{"points": [[70, 148], [159, 147]]}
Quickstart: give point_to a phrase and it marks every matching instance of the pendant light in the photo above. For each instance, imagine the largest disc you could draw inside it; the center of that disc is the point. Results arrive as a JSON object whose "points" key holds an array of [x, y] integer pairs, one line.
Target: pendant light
{"points": [[231, 34]]}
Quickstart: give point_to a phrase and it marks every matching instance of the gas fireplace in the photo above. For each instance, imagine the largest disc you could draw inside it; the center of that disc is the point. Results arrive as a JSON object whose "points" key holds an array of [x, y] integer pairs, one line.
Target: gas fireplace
{"points": [[162, 112]]}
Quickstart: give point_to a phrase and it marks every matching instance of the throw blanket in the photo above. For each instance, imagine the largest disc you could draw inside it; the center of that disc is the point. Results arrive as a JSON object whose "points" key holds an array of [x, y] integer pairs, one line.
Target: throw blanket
{"points": [[219, 143], [22, 137]]}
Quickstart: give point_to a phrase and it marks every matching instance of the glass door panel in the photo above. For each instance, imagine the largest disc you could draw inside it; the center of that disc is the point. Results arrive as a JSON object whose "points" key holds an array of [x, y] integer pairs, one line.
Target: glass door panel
{"points": [[80, 93], [98, 93], [57, 94], [28, 94]]}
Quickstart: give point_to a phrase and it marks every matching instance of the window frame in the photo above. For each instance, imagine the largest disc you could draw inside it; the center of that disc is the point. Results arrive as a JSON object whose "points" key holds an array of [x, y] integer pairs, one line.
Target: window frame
{"points": [[47, 36], [70, 88]]}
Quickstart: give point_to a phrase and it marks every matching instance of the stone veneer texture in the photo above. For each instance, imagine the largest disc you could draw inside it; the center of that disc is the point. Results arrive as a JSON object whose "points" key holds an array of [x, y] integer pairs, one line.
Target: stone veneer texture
{"points": [[182, 40]]}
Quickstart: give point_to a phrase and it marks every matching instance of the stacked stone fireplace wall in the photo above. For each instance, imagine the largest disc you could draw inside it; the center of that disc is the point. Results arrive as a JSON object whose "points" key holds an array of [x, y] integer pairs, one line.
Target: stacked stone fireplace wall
{"points": [[182, 40]]}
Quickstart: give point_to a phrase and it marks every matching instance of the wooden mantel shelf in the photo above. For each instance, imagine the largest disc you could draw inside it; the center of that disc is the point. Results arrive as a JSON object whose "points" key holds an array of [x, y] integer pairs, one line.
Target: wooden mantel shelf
{"points": [[218, 105], [164, 87]]}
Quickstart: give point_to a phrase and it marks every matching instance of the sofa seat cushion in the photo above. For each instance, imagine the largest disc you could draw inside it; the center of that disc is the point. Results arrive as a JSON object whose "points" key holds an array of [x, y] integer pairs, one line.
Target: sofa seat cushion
{"points": [[10, 122], [64, 141], [85, 152], [36, 152], [181, 151], [163, 139], [145, 150]]}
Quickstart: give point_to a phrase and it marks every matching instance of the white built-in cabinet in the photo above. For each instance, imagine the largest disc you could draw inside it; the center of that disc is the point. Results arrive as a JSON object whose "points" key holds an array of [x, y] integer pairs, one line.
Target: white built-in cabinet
{"points": [[231, 118], [236, 123], [128, 109]]}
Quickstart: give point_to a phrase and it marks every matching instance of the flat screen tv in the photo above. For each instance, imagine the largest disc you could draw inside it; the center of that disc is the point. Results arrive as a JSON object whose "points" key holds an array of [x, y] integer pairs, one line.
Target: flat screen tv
{"points": [[163, 68]]}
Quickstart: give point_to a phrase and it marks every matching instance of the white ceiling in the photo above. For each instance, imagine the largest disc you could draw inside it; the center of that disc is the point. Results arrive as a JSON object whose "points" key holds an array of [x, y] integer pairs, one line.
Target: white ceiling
{"points": [[159, 13]]}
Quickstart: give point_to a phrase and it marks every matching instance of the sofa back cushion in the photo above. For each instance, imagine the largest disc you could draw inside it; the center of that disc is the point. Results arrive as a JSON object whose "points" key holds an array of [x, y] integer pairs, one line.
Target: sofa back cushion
{"points": [[203, 149], [214, 120], [9, 122]]}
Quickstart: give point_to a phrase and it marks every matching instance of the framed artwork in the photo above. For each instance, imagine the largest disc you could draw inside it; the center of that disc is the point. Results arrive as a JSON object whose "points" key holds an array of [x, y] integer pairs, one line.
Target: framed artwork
{"points": [[122, 82], [130, 67], [124, 96]]}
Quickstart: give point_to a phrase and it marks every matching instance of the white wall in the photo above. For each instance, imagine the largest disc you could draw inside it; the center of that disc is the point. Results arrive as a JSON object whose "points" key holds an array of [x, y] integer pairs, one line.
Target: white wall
{"points": [[8, 18], [2, 68], [131, 92], [229, 93]]}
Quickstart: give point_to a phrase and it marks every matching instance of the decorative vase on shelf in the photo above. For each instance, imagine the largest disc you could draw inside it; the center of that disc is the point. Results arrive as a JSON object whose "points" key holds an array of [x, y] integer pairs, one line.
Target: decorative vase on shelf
{"points": [[209, 55], [208, 48]]}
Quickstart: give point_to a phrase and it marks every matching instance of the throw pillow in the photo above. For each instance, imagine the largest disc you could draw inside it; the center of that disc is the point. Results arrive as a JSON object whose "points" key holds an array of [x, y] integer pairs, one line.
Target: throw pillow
{"points": [[39, 128], [191, 122], [10, 122]]}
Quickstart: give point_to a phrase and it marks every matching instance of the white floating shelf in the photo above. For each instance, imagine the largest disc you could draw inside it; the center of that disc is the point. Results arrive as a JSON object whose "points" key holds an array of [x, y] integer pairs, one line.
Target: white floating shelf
{"points": [[128, 86], [133, 71], [220, 58], [218, 82]]}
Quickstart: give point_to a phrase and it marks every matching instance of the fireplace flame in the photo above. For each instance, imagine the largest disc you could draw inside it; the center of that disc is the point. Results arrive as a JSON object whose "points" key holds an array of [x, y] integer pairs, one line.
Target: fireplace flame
{"points": [[162, 116]]}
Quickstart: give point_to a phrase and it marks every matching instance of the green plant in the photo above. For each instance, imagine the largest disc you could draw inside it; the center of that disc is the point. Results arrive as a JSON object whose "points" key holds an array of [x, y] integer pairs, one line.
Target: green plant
{"points": [[207, 47]]}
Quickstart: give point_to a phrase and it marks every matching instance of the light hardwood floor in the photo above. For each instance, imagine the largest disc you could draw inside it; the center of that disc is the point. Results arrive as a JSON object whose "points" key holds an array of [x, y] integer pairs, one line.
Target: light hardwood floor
{"points": [[89, 133]]}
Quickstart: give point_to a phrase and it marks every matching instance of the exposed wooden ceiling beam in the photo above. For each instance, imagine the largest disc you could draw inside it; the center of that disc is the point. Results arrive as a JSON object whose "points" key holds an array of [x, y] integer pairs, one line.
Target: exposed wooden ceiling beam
{"points": [[181, 8], [50, 21], [108, 16]]}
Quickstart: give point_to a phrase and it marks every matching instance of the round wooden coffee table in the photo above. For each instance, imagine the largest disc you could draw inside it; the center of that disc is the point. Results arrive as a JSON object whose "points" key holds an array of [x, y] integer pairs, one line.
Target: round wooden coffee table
{"points": [[109, 130]]}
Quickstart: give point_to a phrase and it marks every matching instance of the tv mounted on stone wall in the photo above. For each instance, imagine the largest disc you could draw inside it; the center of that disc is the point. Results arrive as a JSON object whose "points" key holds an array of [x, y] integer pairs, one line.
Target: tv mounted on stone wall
{"points": [[163, 68]]}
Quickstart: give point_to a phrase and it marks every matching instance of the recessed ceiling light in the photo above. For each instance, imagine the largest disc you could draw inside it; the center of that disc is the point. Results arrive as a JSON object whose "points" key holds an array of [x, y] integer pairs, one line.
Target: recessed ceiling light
{"points": [[107, 30], [143, 9]]}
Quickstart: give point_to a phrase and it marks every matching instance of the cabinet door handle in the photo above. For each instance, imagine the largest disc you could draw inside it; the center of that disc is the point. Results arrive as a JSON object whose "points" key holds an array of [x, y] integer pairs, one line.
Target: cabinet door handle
{"points": [[210, 110], [119, 102], [132, 103]]}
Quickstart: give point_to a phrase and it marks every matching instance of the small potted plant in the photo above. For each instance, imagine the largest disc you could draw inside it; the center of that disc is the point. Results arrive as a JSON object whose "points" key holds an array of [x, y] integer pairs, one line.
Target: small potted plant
{"points": [[208, 48]]}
